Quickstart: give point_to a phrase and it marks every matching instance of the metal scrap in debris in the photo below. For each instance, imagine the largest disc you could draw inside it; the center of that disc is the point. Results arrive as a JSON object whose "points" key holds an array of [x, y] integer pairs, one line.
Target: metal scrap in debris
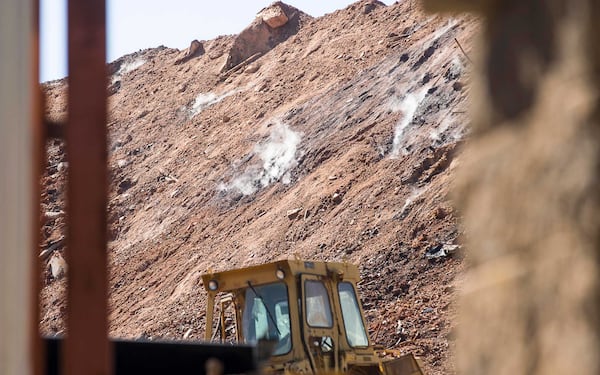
{"points": [[441, 251]]}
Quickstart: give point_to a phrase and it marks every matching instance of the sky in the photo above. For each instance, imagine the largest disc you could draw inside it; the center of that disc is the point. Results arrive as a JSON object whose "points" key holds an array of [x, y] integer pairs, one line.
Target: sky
{"points": [[133, 25]]}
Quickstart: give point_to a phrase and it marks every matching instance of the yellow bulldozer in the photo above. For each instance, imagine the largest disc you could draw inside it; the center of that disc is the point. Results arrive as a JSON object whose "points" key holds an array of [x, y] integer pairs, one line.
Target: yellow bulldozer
{"points": [[308, 311]]}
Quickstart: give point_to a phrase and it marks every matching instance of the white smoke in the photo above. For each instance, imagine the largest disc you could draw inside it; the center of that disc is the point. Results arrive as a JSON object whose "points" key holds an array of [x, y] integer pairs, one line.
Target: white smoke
{"points": [[126, 68], [458, 133], [456, 65], [414, 195], [408, 107], [205, 100], [278, 156]]}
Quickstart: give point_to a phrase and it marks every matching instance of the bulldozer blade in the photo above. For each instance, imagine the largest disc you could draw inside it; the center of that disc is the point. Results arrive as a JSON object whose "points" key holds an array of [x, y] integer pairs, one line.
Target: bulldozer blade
{"points": [[404, 365], [166, 357]]}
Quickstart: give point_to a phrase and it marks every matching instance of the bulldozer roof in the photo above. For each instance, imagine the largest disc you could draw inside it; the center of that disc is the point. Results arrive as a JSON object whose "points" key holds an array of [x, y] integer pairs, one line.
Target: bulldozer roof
{"points": [[238, 278]]}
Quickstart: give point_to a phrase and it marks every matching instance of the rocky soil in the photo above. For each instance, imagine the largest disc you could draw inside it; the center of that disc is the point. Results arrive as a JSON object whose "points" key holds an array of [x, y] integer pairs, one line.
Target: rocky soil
{"points": [[331, 138]]}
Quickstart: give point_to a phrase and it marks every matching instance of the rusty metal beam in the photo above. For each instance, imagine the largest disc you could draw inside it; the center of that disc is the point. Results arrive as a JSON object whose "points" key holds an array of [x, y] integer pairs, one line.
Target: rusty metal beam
{"points": [[87, 349]]}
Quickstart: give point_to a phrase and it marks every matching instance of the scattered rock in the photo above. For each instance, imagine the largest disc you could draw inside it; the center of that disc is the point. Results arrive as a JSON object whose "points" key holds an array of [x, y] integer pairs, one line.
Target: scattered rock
{"points": [[263, 87], [312, 48], [53, 214], [450, 249], [63, 165], [274, 16], [336, 198], [142, 114], [167, 177], [436, 251], [175, 193], [114, 88], [293, 214], [187, 334], [368, 8], [400, 330], [57, 265], [45, 254], [454, 71], [195, 49], [252, 68], [426, 78], [124, 185], [440, 213], [53, 246], [371, 6], [352, 248], [457, 86]]}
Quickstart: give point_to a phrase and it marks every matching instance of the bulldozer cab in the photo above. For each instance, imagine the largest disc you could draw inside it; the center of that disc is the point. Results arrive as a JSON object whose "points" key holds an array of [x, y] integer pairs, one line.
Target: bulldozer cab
{"points": [[308, 311]]}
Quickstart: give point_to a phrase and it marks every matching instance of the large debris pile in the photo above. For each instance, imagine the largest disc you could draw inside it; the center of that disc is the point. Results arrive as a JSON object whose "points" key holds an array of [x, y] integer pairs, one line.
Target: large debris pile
{"points": [[338, 142]]}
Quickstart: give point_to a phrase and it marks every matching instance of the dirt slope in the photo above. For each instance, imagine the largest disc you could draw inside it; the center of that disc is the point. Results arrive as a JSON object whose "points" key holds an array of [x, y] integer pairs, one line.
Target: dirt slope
{"points": [[338, 143]]}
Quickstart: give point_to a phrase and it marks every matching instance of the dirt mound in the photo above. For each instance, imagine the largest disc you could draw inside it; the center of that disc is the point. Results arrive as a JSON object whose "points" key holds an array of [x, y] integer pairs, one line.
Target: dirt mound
{"points": [[337, 143]]}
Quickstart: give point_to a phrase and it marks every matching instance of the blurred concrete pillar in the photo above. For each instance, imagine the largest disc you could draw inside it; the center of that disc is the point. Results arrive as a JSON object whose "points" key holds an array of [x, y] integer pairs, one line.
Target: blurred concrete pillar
{"points": [[18, 319], [529, 190]]}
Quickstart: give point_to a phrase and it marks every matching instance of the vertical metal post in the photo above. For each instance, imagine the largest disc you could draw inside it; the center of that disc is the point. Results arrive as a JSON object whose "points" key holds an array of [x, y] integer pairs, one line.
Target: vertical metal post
{"points": [[87, 349]]}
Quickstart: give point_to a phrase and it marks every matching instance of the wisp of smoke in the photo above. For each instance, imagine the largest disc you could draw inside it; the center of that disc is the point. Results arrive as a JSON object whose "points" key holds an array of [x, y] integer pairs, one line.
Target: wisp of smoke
{"points": [[278, 156], [414, 194], [205, 100], [126, 68], [408, 107], [436, 133]]}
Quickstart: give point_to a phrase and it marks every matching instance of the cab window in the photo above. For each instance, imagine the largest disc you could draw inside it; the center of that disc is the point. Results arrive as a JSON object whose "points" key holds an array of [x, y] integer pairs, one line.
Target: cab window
{"points": [[266, 316], [318, 309], [353, 322]]}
